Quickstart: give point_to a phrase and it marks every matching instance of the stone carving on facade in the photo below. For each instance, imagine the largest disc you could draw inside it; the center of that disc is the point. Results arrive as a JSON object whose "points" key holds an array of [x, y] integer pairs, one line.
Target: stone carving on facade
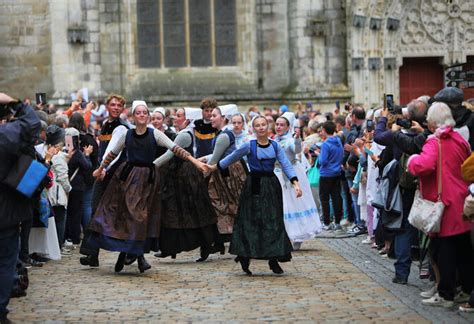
{"points": [[439, 25]]}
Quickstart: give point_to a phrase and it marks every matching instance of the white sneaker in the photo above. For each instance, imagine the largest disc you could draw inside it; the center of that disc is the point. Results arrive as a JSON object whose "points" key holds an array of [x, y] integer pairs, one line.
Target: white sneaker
{"points": [[466, 308], [429, 293], [345, 222], [68, 244], [461, 297], [437, 300], [368, 240], [65, 251]]}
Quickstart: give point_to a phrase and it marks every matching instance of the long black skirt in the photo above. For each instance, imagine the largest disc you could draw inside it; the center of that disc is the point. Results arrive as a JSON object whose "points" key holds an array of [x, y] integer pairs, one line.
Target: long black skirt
{"points": [[188, 219], [259, 230]]}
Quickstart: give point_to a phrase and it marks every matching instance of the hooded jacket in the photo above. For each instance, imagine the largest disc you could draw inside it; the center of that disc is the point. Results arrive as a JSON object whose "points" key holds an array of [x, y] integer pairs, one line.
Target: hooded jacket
{"points": [[330, 158]]}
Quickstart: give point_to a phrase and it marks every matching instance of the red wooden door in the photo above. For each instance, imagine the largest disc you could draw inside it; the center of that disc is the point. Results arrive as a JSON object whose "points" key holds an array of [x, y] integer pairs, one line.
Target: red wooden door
{"points": [[420, 76]]}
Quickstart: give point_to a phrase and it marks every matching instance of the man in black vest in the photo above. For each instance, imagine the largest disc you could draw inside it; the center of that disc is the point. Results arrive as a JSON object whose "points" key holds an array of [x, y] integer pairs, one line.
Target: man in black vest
{"points": [[111, 127]]}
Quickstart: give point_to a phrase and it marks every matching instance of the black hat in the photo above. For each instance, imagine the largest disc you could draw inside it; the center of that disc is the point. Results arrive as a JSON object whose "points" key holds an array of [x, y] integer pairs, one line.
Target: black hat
{"points": [[54, 135], [451, 96]]}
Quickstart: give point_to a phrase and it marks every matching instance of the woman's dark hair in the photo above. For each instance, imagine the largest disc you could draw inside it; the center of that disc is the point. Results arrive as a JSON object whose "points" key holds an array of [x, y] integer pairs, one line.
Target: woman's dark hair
{"points": [[329, 127], [77, 121]]}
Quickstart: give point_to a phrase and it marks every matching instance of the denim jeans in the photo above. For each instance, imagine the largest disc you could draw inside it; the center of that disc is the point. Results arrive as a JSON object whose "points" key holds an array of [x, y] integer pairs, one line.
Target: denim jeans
{"points": [[355, 206], [87, 208], [9, 247]]}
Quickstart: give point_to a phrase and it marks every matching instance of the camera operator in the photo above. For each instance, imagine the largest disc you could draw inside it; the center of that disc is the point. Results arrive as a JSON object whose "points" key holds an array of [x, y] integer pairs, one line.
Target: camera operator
{"points": [[411, 138], [19, 128]]}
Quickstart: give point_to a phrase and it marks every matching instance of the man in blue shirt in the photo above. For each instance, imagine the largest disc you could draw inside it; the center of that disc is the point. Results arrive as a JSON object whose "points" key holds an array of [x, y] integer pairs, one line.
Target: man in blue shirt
{"points": [[330, 160]]}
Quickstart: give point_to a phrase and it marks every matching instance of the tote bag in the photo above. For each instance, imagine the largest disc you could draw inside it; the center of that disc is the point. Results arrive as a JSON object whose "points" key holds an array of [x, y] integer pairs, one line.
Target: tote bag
{"points": [[426, 215], [313, 175]]}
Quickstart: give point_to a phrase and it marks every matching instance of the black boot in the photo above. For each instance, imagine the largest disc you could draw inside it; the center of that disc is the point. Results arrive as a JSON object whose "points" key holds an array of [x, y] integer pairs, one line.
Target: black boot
{"points": [[120, 262], [130, 258], [275, 267], [143, 265], [244, 263], [90, 260], [204, 254]]}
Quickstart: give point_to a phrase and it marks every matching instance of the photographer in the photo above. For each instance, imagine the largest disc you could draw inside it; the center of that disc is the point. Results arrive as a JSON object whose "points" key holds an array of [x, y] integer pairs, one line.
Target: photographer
{"points": [[19, 128], [411, 139]]}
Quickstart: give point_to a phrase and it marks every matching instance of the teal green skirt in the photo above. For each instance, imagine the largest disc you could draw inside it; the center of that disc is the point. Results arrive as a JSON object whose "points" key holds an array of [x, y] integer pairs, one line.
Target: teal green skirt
{"points": [[259, 230]]}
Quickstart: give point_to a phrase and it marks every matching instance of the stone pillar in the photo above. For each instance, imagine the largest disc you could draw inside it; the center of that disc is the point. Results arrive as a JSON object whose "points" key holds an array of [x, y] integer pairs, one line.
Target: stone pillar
{"points": [[75, 61], [272, 16]]}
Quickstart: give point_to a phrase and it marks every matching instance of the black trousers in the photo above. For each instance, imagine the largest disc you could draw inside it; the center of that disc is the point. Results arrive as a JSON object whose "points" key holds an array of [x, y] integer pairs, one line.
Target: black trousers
{"points": [[25, 229], [453, 255], [60, 220], [74, 216], [330, 187]]}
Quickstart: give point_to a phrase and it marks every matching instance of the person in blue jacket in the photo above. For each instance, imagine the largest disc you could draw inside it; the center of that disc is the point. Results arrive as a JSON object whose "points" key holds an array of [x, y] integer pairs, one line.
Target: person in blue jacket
{"points": [[330, 160], [259, 229]]}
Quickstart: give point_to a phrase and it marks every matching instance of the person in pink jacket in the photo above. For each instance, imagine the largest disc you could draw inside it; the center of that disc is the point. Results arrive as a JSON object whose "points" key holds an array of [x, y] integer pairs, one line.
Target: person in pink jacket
{"points": [[451, 246]]}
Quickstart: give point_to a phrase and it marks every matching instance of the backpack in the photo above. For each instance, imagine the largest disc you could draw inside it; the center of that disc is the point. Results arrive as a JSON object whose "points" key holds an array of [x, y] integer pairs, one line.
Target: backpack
{"points": [[407, 180]]}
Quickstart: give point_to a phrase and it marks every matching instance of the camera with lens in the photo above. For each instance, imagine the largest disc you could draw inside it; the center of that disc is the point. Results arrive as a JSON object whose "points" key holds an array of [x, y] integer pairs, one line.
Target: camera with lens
{"points": [[404, 123]]}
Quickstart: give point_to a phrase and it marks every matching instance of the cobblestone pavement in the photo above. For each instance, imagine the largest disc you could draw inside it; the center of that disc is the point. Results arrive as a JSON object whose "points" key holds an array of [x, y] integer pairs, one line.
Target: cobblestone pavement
{"points": [[318, 285]]}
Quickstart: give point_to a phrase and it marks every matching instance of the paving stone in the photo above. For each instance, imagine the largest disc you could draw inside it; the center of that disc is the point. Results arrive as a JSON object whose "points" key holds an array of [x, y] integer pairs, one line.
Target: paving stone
{"points": [[324, 282]]}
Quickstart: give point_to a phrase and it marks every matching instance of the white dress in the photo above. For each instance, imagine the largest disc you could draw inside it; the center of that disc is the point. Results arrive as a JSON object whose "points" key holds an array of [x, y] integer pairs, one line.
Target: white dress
{"points": [[300, 214]]}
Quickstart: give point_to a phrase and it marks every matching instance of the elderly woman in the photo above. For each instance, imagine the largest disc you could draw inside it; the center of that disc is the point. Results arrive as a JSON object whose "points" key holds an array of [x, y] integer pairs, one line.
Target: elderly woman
{"points": [[451, 246]]}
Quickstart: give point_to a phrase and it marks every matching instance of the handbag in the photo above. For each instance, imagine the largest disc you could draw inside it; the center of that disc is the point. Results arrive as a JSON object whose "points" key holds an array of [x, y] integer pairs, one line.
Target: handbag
{"points": [[313, 175], [26, 175], [426, 215]]}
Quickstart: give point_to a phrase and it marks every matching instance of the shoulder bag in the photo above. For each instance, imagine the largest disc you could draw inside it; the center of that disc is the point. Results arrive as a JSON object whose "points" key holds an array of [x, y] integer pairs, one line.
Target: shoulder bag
{"points": [[426, 215]]}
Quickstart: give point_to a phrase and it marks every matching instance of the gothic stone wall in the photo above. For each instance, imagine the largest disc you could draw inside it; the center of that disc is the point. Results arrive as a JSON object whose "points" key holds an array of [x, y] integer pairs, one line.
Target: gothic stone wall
{"points": [[25, 48]]}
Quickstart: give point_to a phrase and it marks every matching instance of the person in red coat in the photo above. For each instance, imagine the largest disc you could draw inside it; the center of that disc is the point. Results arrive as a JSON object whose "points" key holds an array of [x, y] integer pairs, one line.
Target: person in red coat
{"points": [[451, 246]]}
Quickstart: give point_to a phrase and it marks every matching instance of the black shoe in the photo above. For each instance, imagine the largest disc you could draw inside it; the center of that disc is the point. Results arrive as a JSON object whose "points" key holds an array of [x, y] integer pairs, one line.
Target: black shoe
{"points": [[4, 319], [143, 265], [90, 260], [130, 259], [29, 262], [399, 281], [162, 255], [275, 267], [244, 263], [204, 254], [39, 258], [120, 262], [17, 292]]}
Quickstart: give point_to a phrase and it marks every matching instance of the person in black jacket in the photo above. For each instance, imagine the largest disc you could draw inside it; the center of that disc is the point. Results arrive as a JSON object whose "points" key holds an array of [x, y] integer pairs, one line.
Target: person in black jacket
{"points": [[412, 142], [86, 139], [16, 137], [78, 164]]}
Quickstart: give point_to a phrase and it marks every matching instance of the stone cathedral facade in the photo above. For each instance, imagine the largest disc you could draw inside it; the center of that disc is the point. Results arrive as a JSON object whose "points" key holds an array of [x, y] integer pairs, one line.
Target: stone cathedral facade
{"points": [[176, 52]]}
